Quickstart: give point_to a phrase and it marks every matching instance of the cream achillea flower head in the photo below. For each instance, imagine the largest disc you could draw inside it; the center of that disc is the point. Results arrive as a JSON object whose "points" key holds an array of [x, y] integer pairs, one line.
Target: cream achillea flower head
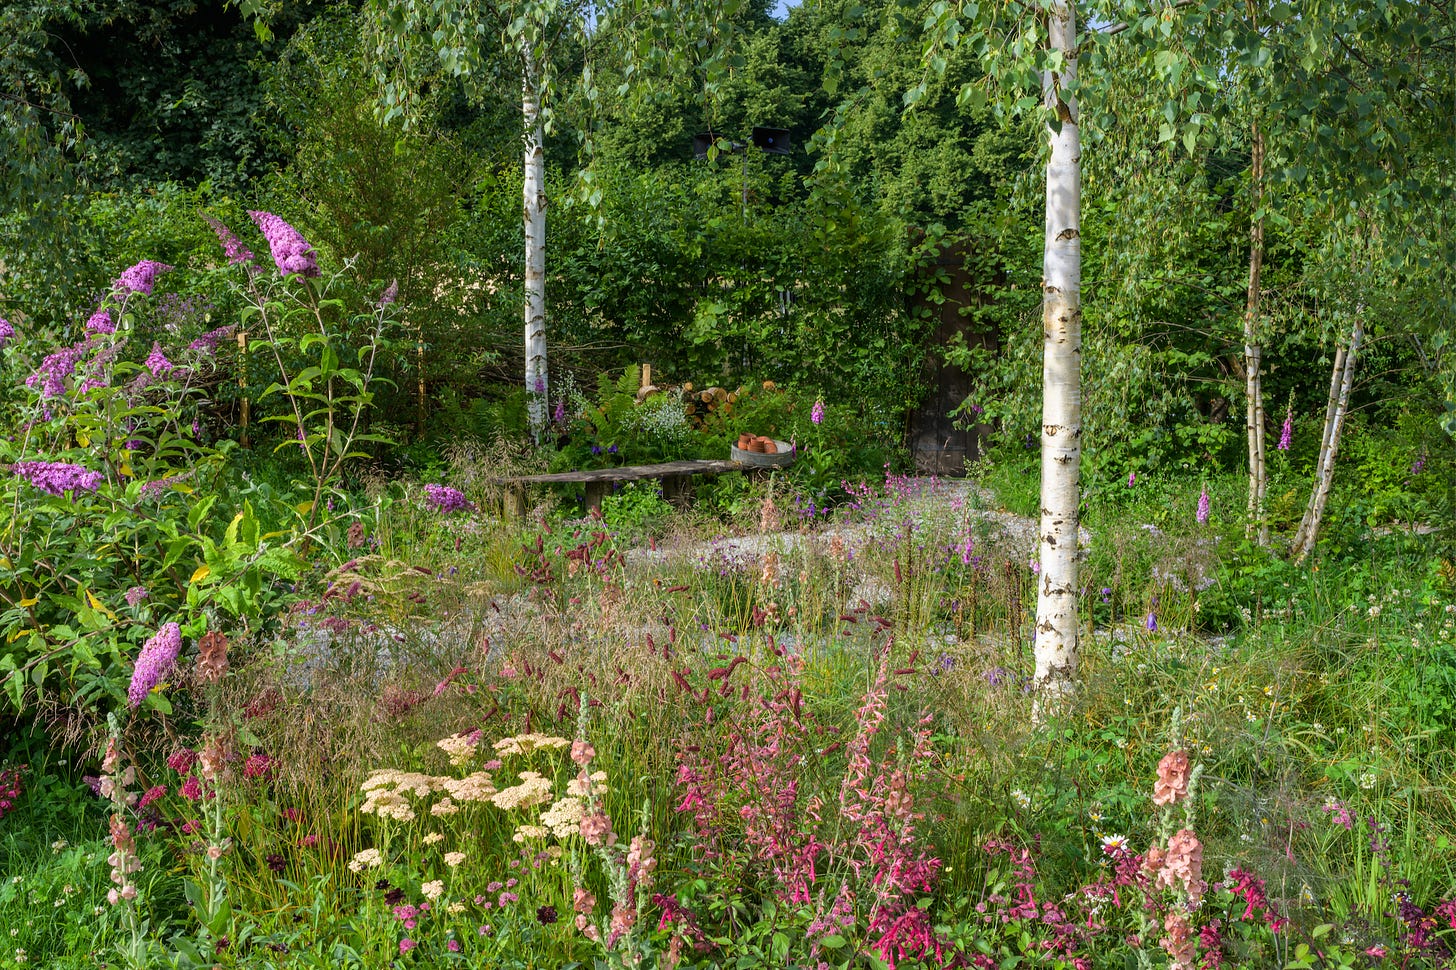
{"points": [[526, 743], [564, 817], [433, 890], [533, 790], [476, 787], [460, 748], [368, 859], [444, 806], [413, 781], [526, 832], [388, 804], [453, 859], [434, 837]]}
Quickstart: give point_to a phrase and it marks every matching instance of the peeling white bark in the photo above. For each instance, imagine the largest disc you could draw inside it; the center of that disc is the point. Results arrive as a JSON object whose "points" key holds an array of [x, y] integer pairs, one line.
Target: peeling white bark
{"points": [[1339, 405], [534, 221], [1254, 352], [1061, 433]]}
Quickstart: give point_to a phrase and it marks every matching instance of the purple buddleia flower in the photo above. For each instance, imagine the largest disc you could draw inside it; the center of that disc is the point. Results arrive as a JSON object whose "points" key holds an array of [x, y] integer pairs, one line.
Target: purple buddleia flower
{"points": [[208, 342], [291, 252], [6, 331], [1286, 433], [1203, 507], [153, 663], [447, 499], [390, 294], [157, 362], [232, 246], [100, 323], [816, 413], [56, 368], [135, 595], [57, 478], [140, 278]]}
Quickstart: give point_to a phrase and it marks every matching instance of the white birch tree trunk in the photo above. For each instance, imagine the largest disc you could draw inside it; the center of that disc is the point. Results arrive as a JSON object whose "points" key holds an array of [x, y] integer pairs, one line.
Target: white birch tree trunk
{"points": [[1254, 351], [1061, 429], [1344, 378], [534, 220]]}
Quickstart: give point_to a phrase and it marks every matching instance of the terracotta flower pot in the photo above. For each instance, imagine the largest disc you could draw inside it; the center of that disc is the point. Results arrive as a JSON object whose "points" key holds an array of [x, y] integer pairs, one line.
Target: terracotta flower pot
{"points": [[756, 446], [744, 440], [769, 448]]}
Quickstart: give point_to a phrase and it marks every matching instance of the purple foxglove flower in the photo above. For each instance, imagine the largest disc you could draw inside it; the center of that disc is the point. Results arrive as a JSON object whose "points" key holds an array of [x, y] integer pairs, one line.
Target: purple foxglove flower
{"points": [[232, 246], [816, 414], [139, 278], [1131, 479], [57, 478], [100, 323], [1203, 507], [6, 331], [1286, 433], [291, 252], [157, 362], [560, 415], [540, 384], [153, 663]]}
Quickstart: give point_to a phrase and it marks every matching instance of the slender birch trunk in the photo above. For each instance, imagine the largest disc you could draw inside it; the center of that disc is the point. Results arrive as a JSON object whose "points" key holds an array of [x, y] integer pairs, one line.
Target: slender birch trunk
{"points": [[1254, 351], [1341, 380], [534, 220], [1061, 430]]}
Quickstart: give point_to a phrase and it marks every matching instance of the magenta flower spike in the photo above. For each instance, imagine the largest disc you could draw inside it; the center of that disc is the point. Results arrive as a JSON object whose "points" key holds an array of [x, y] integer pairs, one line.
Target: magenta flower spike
{"points": [[291, 252], [232, 246], [1203, 507], [816, 414], [140, 278], [154, 662], [57, 478]]}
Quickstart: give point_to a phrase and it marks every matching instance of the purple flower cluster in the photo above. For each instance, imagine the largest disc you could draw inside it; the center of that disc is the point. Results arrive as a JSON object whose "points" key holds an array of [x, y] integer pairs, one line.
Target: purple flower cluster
{"points": [[447, 499], [816, 414], [290, 250], [56, 367], [390, 294], [157, 361], [1286, 433], [1203, 507], [208, 342], [6, 331], [101, 322], [152, 664], [56, 477], [232, 246], [139, 278]]}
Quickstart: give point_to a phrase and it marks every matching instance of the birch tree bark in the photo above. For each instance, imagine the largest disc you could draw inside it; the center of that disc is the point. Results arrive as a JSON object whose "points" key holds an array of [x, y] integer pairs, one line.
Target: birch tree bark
{"points": [[1254, 351], [1061, 431], [533, 217], [1344, 378]]}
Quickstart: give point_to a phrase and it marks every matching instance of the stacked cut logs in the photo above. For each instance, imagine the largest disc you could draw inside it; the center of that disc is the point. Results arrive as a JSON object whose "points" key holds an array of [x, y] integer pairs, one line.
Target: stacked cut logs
{"points": [[701, 405]]}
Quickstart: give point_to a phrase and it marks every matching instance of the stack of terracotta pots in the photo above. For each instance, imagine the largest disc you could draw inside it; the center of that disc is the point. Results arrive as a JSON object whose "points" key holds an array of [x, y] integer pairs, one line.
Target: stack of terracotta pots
{"points": [[757, 444]]}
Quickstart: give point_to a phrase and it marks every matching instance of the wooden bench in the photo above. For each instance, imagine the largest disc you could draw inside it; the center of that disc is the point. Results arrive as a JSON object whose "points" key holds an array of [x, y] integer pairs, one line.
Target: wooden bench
{"points": [[676, 478]]}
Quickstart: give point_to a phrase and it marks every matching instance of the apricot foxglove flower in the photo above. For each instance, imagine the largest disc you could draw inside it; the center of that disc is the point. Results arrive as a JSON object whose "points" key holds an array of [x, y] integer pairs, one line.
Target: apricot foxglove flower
{"points": [[1172, 783]]}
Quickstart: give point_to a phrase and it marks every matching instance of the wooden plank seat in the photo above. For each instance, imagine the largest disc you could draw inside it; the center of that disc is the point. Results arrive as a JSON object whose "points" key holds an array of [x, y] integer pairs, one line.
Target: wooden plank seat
{"points": [[676, 478]]}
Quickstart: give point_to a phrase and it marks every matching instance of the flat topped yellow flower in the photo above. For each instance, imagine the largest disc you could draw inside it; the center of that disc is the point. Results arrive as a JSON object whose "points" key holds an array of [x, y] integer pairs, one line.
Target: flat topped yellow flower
{"points": [[460, 748], [533, 790], [526, 743]]}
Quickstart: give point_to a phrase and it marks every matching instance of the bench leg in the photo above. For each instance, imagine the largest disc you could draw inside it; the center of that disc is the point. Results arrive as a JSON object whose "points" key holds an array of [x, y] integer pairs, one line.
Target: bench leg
{"points": [[595, 492], [678, 490], [516, 502]]}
